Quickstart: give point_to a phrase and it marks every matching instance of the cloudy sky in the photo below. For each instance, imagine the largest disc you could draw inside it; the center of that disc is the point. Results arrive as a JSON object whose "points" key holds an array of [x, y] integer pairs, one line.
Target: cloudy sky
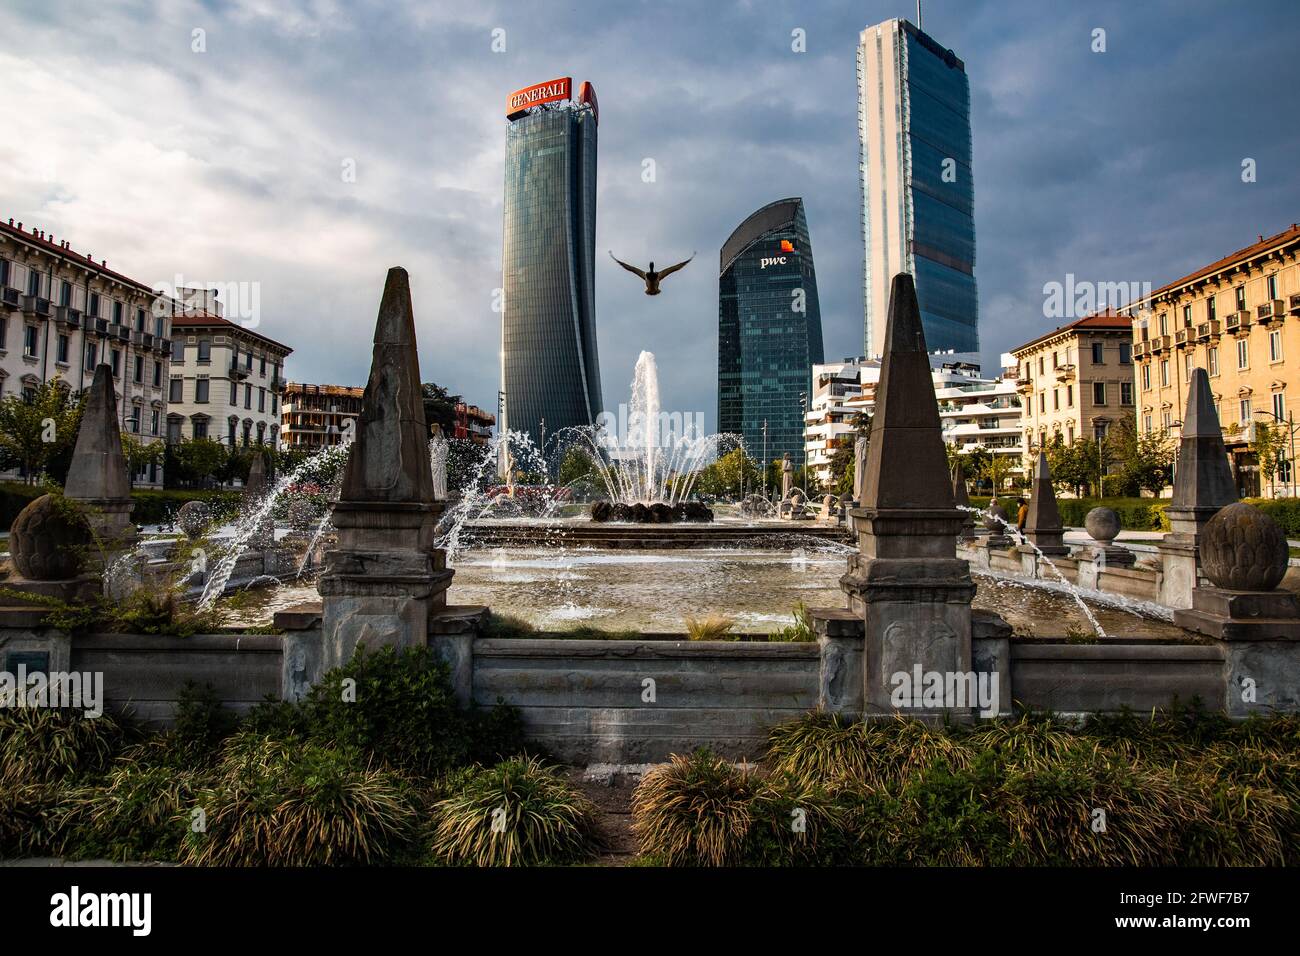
{"points": [[227, 163]]}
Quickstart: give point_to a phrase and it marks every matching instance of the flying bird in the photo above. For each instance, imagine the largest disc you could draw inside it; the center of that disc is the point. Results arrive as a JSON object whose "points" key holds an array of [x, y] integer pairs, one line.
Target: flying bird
{"points": [[651, 277]]}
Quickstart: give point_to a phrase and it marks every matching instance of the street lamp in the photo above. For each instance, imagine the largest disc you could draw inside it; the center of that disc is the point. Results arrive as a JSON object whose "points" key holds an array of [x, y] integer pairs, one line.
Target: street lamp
{"points": [[1289, 422]]}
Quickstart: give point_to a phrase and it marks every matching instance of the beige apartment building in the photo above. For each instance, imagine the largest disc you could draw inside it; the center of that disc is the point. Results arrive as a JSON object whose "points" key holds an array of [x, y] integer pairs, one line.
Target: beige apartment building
{"points": [[1076, 381], [63, 312], [225, 380], [1239, 319]]}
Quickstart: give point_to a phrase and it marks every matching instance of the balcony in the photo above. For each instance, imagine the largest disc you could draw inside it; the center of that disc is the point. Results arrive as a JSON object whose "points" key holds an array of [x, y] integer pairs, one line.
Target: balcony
{"points": [[1293, 305], [1271, 311], [137, 338], [238, 371], [1024, 385], [1160, 343], [1233, 321], [1139, 349], [11, 297], [36, 307], [68, 316], [1208, 330], [164, 346], [1181, 338], [101, 326], [1064, 373]]}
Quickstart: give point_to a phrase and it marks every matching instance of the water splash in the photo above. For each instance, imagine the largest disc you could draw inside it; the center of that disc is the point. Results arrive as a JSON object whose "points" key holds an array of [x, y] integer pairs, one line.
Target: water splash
{"points": [[1072, 589]]}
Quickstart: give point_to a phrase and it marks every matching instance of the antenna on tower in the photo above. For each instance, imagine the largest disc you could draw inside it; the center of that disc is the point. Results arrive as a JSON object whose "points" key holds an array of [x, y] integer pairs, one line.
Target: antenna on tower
{"points": [[918, 15]]}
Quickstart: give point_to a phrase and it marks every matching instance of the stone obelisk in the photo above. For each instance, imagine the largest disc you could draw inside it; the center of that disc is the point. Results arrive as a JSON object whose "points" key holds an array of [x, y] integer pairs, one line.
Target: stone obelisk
{"points": [[1202, 485], [1043, 523], [385, 578], [97, 476], [906, 582]]}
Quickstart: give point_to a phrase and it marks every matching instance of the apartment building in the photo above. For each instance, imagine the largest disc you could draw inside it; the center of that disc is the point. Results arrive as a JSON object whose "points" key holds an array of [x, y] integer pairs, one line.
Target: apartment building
{"points": [[974, 411], [1239, 319], [226, 379], [1075, 381], [62, 312], [473, 424], [317, 416]]}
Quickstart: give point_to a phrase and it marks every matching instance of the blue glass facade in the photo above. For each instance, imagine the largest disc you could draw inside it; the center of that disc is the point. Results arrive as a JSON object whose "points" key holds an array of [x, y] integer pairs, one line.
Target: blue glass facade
{"points": [[917, 94], [549, 368], [769, 329]]}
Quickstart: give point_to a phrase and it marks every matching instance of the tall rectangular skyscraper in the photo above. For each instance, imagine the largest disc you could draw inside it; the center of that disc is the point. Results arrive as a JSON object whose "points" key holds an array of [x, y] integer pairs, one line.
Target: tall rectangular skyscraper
{"points": [[550, 374], [918, 196]]}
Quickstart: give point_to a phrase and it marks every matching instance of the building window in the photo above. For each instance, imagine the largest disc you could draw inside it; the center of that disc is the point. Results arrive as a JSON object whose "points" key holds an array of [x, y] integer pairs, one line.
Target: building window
{"points": [[92, 306], [1056, 399], [173, 431], [1146, 423], [1146, 378], [200, 428], [159, 328], [1211, 309], [1275, 346], [1189, 363], [263, 369], [1271, 282], [1164, 373], [4, 273], [1245, 409], [234, 393], [1212, 360], [1166, 420], [1279, 406], [61, 350], [135, 420], [1164, 324], [117, 362], [1042, 402], [261, 399], [1243, 353], [139, 320], [248, 432], [248, 361], [33, 282], [205, 351], [139, 370], [157, 374], [1098, 353], [65, 294], [1069, 396], [176, 390], [230, 428], [1041, 369], [201, 390], [117, 313], [1126, 353], [153, 422], [1099, 393], [1241, 298], [92, 356], [1099, 431], [248, 396], [30, 341], [1126, 393], [178, 350]]}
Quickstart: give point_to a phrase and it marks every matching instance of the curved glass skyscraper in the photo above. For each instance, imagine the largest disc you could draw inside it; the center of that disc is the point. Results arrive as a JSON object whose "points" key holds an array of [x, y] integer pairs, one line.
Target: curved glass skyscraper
{"points": [[550, 375], [918, 197], [769, 330]]}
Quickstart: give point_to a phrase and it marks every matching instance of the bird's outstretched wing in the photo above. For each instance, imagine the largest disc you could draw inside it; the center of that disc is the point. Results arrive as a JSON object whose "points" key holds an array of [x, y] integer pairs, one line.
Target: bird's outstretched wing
{"points": [[629, 268], [671, 269]]}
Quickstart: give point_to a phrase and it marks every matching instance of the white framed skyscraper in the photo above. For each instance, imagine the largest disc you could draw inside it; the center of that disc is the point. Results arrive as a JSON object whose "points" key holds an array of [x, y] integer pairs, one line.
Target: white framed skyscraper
{"points": [[918, 194]]}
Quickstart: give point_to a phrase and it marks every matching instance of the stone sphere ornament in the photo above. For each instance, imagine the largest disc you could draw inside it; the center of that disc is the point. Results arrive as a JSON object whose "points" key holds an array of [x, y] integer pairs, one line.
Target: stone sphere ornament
{"points": [[193, 519], [1243, 549], [1102, 525], [48, 540]]}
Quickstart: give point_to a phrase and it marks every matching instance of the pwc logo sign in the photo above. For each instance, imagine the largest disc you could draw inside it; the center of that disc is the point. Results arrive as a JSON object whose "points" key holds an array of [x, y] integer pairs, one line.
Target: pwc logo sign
{"points": [[786, 247]]}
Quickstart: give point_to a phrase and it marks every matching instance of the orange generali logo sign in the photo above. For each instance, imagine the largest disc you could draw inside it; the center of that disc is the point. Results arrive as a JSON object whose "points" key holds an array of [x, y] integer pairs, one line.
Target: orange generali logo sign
{"points": [[548, 92]]}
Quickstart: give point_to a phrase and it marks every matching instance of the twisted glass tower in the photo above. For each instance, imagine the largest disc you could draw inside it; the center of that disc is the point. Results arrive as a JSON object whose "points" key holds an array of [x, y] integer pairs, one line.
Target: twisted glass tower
{"points": [[769, 330], [550, 374]]}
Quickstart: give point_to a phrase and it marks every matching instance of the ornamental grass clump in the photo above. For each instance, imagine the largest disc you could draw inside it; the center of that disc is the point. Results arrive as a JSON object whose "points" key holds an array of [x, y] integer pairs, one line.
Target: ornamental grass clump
{"points": [[298, 803], [715, 627], [48, 745], [140, 811], [695, 810], [518, 813]]}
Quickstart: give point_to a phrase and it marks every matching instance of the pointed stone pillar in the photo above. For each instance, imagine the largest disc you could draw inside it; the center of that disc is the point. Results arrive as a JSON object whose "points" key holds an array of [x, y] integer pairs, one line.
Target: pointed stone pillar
{"points": [[1043, 523], [97, 477], [961, 499], [385, 579], [906, 582], [1202, 485]]}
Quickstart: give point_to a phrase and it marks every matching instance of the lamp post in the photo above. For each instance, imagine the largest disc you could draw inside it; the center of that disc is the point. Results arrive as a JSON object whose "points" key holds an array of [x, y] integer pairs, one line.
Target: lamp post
{"points": [[1291, 426], [765, 458]]}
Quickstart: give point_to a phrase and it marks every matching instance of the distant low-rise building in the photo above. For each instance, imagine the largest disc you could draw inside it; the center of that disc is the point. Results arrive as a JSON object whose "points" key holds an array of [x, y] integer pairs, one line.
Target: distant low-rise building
{"points": [[62, 313], [225, 380], [318, 416], [1075, 381], [473, 424], [1239, 319]]}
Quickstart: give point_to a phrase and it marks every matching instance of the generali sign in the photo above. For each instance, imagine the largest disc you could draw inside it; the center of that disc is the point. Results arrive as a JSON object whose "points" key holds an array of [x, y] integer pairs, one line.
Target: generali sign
{"points": [[551, 90]]}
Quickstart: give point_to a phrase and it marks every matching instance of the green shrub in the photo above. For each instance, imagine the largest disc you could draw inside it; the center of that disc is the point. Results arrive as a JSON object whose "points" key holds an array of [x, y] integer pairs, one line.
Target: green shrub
{"points": [[306, 804], [404, 712], [30, 815], [141, 811], [695, 811], [151, 507], [800, 630], [518, 813]]}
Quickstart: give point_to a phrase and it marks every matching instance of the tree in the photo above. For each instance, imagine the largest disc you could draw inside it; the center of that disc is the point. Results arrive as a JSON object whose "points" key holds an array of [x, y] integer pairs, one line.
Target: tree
{"points": [[728, 475], [440, 407], [196, 461], [38, 425], [1270, 447], [1143, 462], [1076, 465], [576, 465], [844, 461], [139, 455]]}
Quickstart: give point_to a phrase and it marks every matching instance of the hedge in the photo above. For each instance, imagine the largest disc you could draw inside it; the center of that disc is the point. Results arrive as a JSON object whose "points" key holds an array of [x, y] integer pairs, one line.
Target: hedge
{"points": [[150, 507], [1148, 514]]}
